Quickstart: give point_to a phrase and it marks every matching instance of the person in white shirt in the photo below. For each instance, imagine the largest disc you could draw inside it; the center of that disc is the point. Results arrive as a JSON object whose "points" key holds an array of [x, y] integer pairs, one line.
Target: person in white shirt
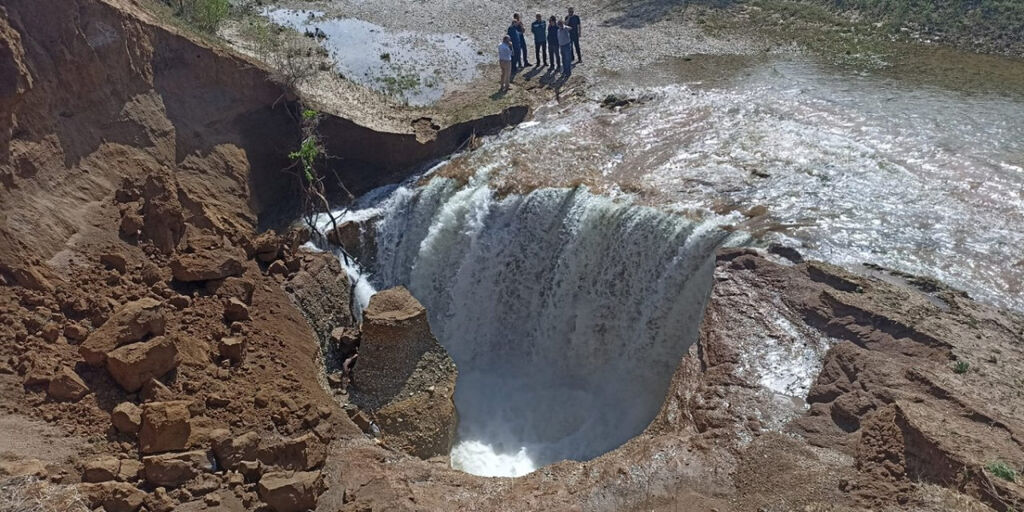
{"points": [[505, 61], [565, 47]]}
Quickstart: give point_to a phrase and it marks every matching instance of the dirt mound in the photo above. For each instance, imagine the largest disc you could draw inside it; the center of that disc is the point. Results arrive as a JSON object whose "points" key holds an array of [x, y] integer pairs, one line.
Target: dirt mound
{"points": [[405, 378]]}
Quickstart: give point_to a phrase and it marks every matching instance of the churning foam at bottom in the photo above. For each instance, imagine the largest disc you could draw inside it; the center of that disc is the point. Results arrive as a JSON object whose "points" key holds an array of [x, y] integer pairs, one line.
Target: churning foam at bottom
{"points": [[479, 458]]}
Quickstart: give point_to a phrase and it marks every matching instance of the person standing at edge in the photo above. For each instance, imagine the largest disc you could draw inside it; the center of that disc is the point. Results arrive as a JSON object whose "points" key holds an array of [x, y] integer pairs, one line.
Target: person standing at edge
{"points": [[521, 31], [565, 48], [540, 38], [513, 35], [505, 61], [553, 53], [574, 24]]}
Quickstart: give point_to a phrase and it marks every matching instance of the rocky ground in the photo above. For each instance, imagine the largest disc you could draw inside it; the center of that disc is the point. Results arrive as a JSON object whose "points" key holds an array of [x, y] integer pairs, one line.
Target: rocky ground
{"points": [[162, 350]]}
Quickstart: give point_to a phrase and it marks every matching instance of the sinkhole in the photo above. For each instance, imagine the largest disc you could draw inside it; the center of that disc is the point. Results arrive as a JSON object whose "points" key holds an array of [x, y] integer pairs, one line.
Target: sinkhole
{"points": [[565, 312]]}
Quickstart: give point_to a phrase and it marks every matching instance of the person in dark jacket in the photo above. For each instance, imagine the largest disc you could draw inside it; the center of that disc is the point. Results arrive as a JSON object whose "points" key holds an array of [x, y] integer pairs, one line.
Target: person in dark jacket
{"points": [[521, 30], [573, 21], [513, 34], [540, 40], [554, 56]]}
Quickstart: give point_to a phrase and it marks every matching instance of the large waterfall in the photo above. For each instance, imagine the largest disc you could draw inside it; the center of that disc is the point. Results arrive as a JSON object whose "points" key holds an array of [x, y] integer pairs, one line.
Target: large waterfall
{"points": [[565, 312]]}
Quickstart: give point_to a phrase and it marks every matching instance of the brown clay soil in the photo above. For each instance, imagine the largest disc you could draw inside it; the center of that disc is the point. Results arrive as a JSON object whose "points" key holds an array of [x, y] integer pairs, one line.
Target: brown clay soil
{"points": [[160, 350]]}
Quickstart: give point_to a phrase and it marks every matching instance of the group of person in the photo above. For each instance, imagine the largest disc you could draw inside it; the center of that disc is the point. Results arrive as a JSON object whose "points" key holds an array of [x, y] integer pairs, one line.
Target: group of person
{"points": [[556, 43]]}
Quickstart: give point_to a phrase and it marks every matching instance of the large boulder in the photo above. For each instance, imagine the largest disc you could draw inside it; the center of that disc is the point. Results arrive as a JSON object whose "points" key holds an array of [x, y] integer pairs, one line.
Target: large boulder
{"points": [[102, 469], [235, 310], [232, 450], [126, 418], [27, 277], [66, 386], [291, 491], [132, 322], [404, 376], [267, 246], [357, 238], [134, 365], [113, 496], [237, 287], [206, 265], [166, 426], [301, 453], [232, 348], [174, 469]]}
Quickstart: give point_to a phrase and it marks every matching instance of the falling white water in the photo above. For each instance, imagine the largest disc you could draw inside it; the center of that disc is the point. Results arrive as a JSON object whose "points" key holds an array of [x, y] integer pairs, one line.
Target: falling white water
{"points": [[565, 312], [358, 277]]}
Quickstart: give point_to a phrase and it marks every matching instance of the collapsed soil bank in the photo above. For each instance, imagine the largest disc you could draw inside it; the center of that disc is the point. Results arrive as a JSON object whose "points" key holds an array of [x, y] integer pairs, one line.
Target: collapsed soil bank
{"points": [[104, 80]]}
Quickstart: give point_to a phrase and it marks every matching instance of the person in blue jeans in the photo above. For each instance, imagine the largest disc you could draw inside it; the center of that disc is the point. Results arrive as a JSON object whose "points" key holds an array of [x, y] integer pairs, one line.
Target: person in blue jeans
{"points": [[565, 48], [573, 21], [521, 31], [540, 40], [554, 56], [513, 34]]}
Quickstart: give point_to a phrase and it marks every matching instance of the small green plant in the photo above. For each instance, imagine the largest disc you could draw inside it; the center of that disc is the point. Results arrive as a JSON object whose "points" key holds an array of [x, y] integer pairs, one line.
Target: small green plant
{"points": [[309, 114], [398, 85], [961, 367], [386, 57], [307, 155], [1002, 470]]}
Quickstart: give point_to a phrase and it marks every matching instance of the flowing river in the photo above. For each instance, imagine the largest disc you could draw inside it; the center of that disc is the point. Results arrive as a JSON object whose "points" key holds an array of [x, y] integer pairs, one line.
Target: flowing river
{"points": [[567, 308], [850, 167]]}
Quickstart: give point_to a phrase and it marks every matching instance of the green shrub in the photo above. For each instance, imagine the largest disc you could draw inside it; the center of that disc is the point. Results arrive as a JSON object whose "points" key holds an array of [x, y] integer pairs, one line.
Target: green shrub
{"points": [[961, 367], [307, 155], [205, 15], [1002, 470]]}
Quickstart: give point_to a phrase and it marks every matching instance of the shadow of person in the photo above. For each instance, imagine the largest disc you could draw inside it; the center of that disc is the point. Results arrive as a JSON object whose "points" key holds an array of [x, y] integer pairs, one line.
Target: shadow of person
{"points": [[532, 73], [559, 82]]}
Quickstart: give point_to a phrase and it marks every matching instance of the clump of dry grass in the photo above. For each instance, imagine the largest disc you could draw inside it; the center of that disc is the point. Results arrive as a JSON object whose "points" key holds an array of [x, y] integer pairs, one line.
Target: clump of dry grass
{"points": [[31, 494]]}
